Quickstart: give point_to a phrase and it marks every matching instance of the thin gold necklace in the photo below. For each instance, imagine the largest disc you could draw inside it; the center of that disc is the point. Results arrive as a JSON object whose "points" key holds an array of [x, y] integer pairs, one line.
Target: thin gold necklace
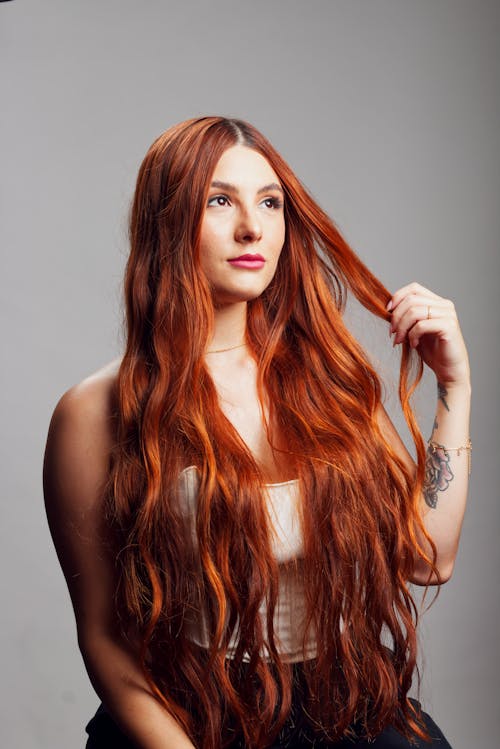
{"points": [[220, 350]]}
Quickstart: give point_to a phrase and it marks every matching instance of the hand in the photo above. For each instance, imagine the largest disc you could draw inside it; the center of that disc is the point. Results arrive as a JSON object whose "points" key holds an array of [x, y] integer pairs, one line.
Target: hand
{"points": [[430, 324]]}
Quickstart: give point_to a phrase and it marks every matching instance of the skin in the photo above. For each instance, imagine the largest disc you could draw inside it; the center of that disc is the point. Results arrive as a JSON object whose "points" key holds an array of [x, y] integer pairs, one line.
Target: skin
{"points": [[82, 431], [244, 214], [430, 324]]}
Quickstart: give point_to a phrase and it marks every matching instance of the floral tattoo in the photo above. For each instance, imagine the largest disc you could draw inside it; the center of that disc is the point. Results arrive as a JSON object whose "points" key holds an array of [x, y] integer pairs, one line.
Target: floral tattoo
{"points": [[438, 475]]}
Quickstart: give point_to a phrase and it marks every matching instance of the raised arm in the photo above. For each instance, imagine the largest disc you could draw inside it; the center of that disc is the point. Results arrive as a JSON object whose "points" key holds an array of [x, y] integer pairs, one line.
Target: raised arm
{"points": [[431, 325], [75, 470]]}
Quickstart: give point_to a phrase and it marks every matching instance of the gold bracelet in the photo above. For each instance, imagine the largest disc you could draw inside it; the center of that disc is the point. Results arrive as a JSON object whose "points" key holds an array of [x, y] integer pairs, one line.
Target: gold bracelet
{"points": [[434, 446]]}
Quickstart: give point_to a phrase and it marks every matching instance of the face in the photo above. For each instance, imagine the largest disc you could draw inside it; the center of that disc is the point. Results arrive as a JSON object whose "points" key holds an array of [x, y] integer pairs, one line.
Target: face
{"points": [[243, 226]]}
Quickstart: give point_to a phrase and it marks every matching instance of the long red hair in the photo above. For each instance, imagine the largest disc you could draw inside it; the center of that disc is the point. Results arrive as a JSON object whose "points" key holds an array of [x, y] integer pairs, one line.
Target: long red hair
{"points": [[359, 506]]}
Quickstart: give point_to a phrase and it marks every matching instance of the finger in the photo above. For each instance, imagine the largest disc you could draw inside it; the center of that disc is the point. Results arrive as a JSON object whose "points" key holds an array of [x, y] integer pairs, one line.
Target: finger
{"points": [[418, 307], [439, 326], [421, 299], [412, 316], [412, 288]]}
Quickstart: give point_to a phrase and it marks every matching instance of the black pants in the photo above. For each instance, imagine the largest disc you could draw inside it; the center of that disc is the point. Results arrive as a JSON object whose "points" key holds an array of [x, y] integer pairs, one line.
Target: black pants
{"points": [[295, 734], [105, 734]]}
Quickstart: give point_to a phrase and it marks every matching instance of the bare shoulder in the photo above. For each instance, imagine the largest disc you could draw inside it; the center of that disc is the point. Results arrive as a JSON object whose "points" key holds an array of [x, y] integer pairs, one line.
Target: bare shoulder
{"points": [[86, 411], [91, 396], [75, 471], [80, 437]]}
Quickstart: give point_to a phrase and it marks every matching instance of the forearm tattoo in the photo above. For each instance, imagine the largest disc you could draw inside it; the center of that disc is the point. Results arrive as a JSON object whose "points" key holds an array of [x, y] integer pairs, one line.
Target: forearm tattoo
{"points": [[442, 393], [438, 474]]}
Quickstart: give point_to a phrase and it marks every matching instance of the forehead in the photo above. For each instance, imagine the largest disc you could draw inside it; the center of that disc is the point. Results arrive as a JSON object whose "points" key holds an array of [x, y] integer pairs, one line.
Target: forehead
{"points": [[243, 166]]}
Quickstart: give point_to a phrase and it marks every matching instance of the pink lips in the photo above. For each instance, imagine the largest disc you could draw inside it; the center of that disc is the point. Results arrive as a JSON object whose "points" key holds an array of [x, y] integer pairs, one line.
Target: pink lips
{"points": [[248, 261]]}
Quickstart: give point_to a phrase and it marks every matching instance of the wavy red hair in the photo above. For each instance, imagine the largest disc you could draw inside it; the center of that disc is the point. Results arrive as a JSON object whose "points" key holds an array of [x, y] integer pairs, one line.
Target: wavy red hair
{"points": [[359, 507]]}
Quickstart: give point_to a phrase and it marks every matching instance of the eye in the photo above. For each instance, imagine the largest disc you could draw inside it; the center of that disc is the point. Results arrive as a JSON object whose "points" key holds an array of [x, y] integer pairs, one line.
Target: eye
{"points": [[218, 200], [273, 203]]}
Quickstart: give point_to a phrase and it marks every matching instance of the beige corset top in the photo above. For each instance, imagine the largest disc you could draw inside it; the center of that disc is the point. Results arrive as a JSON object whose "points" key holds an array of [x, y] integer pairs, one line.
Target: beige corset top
{"points": [[287, 547]]}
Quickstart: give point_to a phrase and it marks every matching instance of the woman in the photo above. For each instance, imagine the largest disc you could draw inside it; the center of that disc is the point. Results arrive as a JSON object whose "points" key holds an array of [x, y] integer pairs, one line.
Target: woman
{"points": [[236, 517]]}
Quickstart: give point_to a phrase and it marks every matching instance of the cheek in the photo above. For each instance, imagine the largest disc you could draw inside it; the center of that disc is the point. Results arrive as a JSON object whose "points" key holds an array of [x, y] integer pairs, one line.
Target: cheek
{"points": [[279, 237], [208, 243], [281, 228], [212, 238], [212, 256]]}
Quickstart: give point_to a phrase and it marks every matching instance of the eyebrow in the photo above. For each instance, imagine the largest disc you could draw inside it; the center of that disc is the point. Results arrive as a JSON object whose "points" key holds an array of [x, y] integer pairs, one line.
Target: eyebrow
{"points": [[232, 188]]}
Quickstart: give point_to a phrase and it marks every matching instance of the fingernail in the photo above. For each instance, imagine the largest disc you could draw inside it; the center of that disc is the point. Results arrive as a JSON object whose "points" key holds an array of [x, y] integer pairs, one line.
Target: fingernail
{"points": [[388, 306]]}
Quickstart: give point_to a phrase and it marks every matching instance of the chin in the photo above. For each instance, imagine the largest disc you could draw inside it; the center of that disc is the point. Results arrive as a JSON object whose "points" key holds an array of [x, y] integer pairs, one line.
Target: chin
{"points": [[236, 296]]}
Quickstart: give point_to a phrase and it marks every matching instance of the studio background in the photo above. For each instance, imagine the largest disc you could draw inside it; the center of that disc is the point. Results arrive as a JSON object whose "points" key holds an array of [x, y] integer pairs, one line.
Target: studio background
{"points": [[387, 110]]}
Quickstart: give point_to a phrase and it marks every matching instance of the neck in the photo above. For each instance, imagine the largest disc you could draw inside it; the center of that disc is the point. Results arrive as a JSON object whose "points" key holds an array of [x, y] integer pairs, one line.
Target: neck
{"points": [[229, 326]]}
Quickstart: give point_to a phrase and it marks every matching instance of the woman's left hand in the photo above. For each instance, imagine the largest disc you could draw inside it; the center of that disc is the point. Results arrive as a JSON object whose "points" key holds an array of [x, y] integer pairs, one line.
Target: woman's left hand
{"points": [[430, 323]]}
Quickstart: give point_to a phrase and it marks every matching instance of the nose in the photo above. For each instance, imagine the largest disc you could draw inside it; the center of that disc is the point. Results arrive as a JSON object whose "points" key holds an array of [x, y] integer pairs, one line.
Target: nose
{"points": [[248, 228]]}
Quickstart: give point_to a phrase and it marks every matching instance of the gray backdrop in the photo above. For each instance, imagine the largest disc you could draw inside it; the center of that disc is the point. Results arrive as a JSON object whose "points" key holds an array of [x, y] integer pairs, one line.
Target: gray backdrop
{"points": [[387, 110]]}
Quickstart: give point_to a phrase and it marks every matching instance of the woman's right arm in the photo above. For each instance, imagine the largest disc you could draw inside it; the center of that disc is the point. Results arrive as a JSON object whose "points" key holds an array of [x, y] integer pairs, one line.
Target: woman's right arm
{"points": [[75, 469]]}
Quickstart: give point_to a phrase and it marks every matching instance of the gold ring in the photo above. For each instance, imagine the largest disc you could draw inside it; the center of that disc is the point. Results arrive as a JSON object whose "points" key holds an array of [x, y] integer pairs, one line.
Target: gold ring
{"points": [[428, 313]]}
